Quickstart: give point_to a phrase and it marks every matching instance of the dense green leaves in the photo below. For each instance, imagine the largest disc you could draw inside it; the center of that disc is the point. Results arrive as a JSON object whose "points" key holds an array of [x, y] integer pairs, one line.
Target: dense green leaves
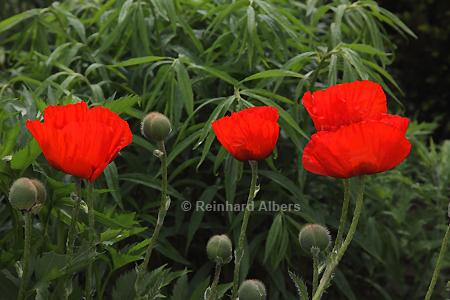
{"points": [[197, 61]]}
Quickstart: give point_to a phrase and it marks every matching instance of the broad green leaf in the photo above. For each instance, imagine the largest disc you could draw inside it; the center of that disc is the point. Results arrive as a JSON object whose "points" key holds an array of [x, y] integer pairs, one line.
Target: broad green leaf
{"points": [[25, 156], [122, 104]]}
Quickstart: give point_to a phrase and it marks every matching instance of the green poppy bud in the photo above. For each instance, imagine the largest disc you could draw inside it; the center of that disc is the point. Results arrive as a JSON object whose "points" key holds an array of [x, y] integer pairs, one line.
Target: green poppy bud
{"points": [[220, 249], [314, 236], [252, 289], [156, 127], [41, 191], [23, 194]]}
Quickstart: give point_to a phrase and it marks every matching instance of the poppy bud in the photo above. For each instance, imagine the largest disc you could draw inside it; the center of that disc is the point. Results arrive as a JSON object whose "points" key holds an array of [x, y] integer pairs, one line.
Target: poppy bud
{"points": [[314, 236], [23, 194], [41, 191], [156, 127], [219, 249], [252, 290]]}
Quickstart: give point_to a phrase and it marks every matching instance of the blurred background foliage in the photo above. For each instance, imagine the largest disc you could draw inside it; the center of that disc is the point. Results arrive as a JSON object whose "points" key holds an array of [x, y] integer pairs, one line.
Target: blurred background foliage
{"points": [[197, 60], [427, 87]]}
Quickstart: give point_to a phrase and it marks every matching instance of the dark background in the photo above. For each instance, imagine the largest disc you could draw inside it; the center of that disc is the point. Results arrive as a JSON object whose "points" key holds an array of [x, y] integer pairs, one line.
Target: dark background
{"points": [[422, 66]]}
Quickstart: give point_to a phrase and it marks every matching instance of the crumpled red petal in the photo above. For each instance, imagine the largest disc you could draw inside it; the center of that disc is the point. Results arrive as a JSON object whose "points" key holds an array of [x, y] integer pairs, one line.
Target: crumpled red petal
{"points": [[80, 141], [362, 148], [345, 104], [250, 134]]}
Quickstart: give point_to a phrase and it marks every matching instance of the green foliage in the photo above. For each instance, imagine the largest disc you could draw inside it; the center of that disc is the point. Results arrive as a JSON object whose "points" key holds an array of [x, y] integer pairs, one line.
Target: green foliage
{"points": [[195, 61]]}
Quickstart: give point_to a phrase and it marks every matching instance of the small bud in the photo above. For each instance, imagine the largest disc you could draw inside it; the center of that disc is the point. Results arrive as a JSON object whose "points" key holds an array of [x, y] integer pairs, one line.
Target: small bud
{"points": [[314, 236], [252, 289], [23, 194], [156, 127], [41, 191], [219, 249]]}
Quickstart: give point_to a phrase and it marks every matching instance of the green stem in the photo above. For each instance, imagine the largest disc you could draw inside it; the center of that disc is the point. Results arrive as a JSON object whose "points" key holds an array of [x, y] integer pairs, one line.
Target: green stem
{"points": [[335, 259], [438, 266], [213, 290], [240, 249], [344, 213], [164, 207], [317, 71], [315, 272], [70, 244], [26, 256], [90, 199]]}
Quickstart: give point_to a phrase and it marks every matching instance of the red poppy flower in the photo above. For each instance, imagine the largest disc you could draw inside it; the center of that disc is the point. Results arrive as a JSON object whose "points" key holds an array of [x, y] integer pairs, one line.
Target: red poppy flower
{"points": [[362, 148], [250, 134], [344, 104], [80, 141]]}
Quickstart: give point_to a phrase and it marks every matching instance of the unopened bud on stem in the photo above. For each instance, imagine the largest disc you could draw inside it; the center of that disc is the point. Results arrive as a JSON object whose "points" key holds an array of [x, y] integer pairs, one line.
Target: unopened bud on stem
{"points": [[252, 289], [23, 194], [156, 127], [314, 237], [219, 249]]}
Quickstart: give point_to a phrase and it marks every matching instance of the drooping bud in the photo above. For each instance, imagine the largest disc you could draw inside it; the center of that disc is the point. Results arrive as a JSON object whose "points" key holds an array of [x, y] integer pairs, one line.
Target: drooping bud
{"points": [[156, 127], [220, 249], [252, 289], [23, 194], [314, 236]]}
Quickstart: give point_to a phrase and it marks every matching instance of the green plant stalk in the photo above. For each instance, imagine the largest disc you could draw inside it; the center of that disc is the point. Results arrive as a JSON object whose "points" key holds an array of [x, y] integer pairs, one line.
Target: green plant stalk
{"points": [[213, 290], [164, 207], [334, 261], [315, 75], [240, 249], [70, 244], [438, 266], [344, 213], [90, 199], [26, 257], [315, 272]]}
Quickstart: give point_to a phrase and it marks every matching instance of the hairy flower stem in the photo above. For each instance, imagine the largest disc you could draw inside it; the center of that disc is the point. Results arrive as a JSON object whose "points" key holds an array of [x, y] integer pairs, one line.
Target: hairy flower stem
{"points": [[240, 249], [344, 213], [164, 207], [335, 258], [213, 290], [26, 257], [89, 277], [70, 244], [315, 272], [438, 266]]}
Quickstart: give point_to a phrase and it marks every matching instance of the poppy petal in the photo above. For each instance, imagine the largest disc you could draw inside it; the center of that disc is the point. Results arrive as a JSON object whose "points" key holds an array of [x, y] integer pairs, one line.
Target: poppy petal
{"points": [[59, 116], [362, 148], [79, 141], [344, 104], [250, 134]]}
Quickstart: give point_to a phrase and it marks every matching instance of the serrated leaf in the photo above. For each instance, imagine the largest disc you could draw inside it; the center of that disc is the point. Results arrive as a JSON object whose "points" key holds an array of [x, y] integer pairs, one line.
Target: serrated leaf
{"points": [[302, 290], [25, 156]]}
